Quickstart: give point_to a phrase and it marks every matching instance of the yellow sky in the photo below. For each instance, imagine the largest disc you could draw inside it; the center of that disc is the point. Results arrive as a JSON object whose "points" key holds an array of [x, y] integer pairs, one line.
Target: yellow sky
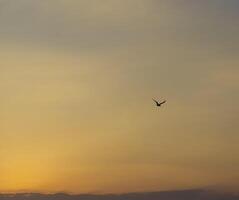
{"points": [[76, 82]]}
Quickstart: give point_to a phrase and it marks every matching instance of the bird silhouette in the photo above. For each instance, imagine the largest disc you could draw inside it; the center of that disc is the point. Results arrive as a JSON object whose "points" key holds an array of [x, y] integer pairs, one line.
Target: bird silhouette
{"points": [[159, 103]]}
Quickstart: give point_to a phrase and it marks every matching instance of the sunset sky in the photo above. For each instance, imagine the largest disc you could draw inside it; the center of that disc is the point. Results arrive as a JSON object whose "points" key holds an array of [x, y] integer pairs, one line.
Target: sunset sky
{"points": [[77, 78]]}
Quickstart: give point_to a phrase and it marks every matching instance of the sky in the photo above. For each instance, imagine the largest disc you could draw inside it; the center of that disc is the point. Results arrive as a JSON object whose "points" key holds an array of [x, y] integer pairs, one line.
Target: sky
{"points": [[77, 78]]}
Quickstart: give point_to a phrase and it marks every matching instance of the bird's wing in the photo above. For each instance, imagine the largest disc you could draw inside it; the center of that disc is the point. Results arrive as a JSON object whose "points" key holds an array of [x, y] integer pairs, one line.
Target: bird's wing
{"points": [[155, 101], [162, 102]]}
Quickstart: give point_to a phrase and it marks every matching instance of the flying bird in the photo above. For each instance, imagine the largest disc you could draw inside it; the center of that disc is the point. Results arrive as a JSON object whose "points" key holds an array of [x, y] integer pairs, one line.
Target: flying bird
{"points": [[159, 103]]}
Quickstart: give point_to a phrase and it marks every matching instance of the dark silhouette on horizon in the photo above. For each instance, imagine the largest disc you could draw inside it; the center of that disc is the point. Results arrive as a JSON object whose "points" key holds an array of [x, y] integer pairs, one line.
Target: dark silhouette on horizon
{"points": [[196, 194], [159, 103]]}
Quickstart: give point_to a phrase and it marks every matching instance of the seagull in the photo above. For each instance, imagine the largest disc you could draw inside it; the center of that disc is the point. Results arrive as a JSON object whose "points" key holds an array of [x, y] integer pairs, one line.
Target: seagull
{"points": [[159, 103]]}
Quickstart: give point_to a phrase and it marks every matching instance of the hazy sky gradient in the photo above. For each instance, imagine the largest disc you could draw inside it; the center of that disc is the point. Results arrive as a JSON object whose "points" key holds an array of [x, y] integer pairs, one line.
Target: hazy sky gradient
{"points": [[76, 82]]}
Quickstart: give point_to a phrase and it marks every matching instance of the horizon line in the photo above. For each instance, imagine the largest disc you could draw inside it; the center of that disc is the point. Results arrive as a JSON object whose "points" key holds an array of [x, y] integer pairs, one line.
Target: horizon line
{"points": [[114, 193]]}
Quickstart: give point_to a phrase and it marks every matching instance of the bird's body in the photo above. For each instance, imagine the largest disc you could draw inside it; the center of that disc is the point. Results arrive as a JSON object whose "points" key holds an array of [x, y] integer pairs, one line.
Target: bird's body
{"points": [[159, 103]]}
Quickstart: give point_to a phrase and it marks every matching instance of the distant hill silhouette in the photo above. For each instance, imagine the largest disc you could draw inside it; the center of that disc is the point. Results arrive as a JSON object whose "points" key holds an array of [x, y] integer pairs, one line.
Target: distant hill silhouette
{"points": [[167, 195]]}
